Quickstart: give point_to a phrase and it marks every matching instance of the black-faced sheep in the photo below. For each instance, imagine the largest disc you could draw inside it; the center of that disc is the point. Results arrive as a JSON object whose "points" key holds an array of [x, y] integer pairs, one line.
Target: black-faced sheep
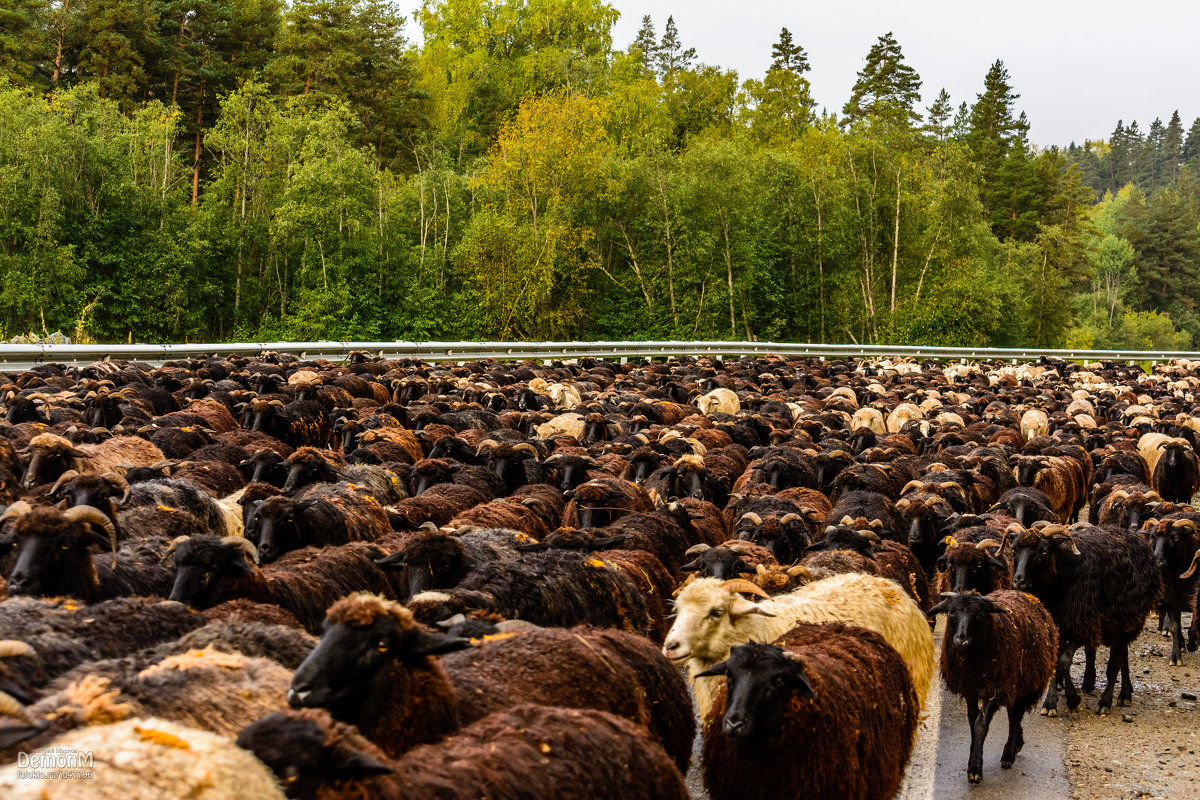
{"points": [[597, 756], [50, 456], [328, 514], [374, 667], [209, 571], [1000, 648], [435, 559], [827, 711], [1099, 584]]}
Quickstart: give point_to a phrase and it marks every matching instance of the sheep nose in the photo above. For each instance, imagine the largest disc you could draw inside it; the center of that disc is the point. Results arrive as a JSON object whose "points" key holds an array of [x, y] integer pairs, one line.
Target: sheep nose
{"points": [[296, 698], [736, 727], [669, 647], [962, 641], [1020, 582]]}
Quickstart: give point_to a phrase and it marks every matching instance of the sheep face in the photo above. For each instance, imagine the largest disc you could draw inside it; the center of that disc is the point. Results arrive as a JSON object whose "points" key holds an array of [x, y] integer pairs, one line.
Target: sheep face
{"points": [[842, 537], [430, 472], [296, 750], [784, 536], [967, 618], [305, 468], [1027, 469], [202, 565], [761, 681], [1026, 507], [973, 568], [274, 529], [46, 464], [53, 554], [430, 560], [1174, 542], [1036, 560], [706, 614], [722, 563], [341, 672], [570, 470], [265, 466]]}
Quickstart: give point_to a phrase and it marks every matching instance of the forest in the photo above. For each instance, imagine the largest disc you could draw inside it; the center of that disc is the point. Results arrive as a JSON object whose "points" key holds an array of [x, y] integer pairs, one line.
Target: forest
{"points": [[218, 170]]}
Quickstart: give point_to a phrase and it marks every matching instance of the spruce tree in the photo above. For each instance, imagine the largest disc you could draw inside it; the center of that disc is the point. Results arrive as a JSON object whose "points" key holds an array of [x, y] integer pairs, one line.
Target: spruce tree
{"points": [[1172, 155], [938, 125], [785, 54], [646, 43], [886, 86], [1191, 147], [671, 55]]}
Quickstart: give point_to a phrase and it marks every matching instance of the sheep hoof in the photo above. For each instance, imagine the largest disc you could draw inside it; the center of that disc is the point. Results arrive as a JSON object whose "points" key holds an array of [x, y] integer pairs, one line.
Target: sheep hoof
{"points": [[1006, 765], [1051, 713], [974, 777], [1176, 662], [1073, 703], [1103, 711], [1124, 702]]}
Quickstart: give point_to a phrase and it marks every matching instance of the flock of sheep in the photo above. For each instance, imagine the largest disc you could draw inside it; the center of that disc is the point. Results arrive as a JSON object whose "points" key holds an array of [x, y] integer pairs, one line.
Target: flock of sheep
{"points": [[272, 577]]}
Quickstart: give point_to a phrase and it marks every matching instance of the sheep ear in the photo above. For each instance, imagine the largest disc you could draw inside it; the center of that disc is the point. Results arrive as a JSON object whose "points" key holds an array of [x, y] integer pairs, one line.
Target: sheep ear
{"points": [[435, 644], [800, 682], [10, 736], [691, 566], [394, 561], [716, 670], [343, 763]]}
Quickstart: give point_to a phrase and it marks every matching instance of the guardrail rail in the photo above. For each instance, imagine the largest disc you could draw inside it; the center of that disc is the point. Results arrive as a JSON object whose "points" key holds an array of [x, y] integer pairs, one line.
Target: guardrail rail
{"points": [[15, 357]]}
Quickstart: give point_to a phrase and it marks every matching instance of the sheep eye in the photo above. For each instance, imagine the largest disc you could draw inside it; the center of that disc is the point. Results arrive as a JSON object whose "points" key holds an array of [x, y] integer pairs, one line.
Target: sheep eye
{"points": [[382, 645]]}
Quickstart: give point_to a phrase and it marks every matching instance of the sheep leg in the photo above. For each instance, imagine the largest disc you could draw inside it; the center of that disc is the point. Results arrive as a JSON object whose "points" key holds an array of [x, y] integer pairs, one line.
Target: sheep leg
{"points": [[1062, 675], [1175, 625], [1193, 638], [972, 724], [979, 731], [1126, 695], [1016, 736], [1089, 670], [1112, 669]]}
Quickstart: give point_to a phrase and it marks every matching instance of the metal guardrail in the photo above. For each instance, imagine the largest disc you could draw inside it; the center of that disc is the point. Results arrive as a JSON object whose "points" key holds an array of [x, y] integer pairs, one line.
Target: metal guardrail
{"points": [[23, 356]]}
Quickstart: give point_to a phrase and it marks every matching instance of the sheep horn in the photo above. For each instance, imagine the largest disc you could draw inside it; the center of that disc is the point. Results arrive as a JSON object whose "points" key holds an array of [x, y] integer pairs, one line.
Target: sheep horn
{"points": [[10, 706], [743, 585], [847, 520], [65, 478], [516, 626], [119, 482], [525, 446], [787, 518], [178, 540], [12, 648], [95, 516], [754, 518], [1191, 570], [910, 485], [245, 545], [486, 444], [696, 550], [986, 543], [17, 509]]}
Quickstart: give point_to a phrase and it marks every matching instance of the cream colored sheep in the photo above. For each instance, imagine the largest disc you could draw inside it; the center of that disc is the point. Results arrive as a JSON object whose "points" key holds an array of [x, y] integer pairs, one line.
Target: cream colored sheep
{"points": [[711, 618], [1034, 422], [145, 759], [569, 424], [718, 401], [901, 415], [870, 418]]}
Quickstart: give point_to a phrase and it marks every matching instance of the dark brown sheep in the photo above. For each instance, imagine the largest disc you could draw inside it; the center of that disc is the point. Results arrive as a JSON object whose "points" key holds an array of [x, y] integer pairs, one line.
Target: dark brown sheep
{"points": [[827, 711], [1001, 649]]}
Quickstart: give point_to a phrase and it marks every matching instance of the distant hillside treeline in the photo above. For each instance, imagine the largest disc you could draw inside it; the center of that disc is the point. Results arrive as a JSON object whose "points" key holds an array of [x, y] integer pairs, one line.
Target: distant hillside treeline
{"points": [[221, 169]]}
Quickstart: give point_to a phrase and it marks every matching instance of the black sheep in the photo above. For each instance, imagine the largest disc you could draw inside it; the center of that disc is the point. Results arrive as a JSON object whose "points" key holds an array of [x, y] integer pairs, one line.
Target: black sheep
{"points": [[1099, 585], [999, 648]]}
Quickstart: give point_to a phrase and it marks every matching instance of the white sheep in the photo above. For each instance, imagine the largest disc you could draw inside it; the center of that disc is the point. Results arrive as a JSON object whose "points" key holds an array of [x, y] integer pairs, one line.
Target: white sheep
{"points": [[902, 415], [144, 759], [711, 618], [870, 418], [564, 396], [569, 424], [1034, 422], [718, 401]]}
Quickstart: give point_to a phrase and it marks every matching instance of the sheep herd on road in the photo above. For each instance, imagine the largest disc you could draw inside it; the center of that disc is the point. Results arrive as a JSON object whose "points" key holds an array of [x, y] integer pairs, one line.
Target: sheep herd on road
{"points": [[269, 577]]}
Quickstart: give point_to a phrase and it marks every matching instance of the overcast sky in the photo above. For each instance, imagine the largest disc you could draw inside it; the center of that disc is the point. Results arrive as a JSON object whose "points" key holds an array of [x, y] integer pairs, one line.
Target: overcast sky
{"points": [[1078, 66]]}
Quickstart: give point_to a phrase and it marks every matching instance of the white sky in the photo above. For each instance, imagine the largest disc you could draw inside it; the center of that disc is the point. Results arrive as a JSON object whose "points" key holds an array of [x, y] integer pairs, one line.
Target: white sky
{"points": [[1078, 66]]}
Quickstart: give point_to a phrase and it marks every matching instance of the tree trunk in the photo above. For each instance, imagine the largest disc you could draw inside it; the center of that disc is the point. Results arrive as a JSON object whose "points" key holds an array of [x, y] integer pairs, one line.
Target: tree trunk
{"points": [[895, 245], [62, 33], [196, 157], [729, 277]]}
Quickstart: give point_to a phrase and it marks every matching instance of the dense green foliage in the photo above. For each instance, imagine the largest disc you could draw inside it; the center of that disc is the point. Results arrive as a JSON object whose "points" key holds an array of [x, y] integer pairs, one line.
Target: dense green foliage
{"points": [[221, 169]]}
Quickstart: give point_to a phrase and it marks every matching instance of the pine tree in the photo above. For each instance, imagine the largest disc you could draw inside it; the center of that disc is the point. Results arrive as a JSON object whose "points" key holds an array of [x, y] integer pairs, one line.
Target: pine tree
{"points": [[938, 125], [787, 55], [1191, 147], [886, 86], [646, 43], [962, 123], [672, 57], [1172, 155], [1149, 162]]}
